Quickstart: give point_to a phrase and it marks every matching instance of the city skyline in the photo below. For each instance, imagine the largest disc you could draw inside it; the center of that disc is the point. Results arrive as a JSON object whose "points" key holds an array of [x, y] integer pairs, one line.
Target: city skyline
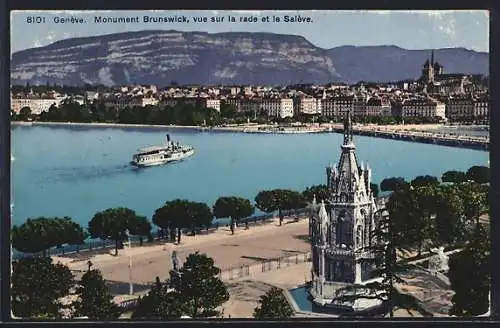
{"points": [[428, 29]]}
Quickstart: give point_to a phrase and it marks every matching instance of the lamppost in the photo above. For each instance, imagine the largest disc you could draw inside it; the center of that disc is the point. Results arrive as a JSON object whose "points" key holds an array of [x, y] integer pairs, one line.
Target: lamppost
{"points": [[131, 285]]}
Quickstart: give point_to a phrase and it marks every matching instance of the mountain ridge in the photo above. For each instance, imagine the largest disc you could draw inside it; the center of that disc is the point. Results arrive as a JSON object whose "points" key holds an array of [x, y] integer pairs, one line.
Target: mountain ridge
{"points": [[162, 56]]}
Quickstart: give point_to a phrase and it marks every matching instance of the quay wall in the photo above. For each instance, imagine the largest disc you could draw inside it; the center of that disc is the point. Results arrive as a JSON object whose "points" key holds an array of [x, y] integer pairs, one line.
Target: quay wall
{"points": [[452, 141]]}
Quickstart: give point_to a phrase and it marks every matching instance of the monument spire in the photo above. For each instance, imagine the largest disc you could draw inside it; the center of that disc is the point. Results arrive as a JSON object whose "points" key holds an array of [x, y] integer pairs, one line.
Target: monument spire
{"points": [[348, 129]]}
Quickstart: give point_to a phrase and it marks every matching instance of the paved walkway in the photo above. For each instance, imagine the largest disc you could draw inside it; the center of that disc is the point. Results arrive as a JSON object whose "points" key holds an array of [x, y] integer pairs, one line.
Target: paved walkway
{"points": [[245, 247]]}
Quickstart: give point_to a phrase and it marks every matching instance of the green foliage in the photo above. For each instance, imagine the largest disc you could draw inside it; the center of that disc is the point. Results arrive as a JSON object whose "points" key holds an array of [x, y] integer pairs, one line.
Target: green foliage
{"points": [[197, 292], [235, 208], [280, 200], [475, 201], [479, 174], [37, 287], [450, 217], [94, 301], [113, 223], [200, 287], [180, 214], [393, 184], [140, 227], [183, 113], [40, 234], [161, 303], [24, 114], [434, 212], [273, 305], [424, 180], [454, 177], [320, 191], [470, 276]]}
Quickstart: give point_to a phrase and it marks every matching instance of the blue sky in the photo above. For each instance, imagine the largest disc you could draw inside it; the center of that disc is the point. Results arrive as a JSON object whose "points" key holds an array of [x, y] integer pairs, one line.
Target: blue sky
{"points": [[328, 29]]}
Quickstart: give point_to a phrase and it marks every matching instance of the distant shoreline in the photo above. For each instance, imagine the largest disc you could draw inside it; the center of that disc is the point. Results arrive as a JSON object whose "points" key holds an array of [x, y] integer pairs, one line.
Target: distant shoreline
{"points": [[423, 133], [246, 128], [105, 125]]}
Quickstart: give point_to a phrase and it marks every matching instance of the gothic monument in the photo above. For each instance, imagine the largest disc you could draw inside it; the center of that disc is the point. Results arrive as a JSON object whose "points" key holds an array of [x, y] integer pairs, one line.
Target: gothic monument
{"points": [[340, 229]]}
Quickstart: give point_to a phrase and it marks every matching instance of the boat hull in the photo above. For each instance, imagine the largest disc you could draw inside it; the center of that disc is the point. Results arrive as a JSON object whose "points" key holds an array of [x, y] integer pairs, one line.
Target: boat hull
{"points": [[175, 158]]}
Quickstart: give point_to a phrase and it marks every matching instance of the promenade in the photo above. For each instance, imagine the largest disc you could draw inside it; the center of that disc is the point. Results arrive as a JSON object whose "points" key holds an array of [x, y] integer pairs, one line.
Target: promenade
{"points": [[246, 247]]}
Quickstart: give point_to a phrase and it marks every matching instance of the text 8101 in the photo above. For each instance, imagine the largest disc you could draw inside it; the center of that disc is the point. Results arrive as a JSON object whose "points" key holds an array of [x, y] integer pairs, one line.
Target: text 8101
{"points": [[35, 20]]}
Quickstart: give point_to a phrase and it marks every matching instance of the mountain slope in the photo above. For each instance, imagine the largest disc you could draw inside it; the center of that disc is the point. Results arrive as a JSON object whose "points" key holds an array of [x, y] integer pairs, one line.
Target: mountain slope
{"points": [[160, 57], [391, 63]]}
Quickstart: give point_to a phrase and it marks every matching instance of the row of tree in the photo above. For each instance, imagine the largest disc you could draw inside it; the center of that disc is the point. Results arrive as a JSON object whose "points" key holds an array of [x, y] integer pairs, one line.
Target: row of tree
{"points": [[38, 235], [186, 114]]}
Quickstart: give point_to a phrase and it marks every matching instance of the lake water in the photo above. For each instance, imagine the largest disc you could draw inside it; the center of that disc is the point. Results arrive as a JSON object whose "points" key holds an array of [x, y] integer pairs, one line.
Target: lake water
{"points": [[78, 171]]}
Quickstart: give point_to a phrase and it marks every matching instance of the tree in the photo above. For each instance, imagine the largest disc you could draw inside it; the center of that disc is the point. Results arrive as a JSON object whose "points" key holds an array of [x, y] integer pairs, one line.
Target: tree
{"points": [[408, 222], [450, 218], [389, 269], [95, 301], [393, 184], [181, 214], [273, 305], [320, 191], [424, 180], [424, 210], [475, 202], [199, 286], [454, 177], [112, 224], [235, 208], [24, 114], [200, 216], [161, 303], [479, 174], [41, 234], [37, 287], [140, 227], [470, 276], [280, 200]]}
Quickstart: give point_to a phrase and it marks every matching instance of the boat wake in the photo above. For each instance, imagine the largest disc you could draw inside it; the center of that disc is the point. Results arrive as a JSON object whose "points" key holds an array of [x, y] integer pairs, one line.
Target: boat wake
{"points": [[88, 172]]}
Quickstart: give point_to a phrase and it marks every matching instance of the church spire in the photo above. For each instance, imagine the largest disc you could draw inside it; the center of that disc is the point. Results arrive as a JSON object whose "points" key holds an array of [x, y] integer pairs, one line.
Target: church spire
{"points": [[432, 57], [348, 129]]}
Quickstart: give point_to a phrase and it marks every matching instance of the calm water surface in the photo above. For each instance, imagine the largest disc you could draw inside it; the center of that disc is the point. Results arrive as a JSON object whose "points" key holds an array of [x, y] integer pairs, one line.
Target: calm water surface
{"points": [[76, 172]]}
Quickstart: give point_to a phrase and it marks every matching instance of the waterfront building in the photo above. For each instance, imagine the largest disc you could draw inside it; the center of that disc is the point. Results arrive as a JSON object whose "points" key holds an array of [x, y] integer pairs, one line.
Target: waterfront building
{"points": [[460, 108], [308, 105], [481, 108], [377, 106], [359, 105], [423, 107], [37, 105], [277, 107], [212, 103], [128, 101], [337, 106], [341, 230]]}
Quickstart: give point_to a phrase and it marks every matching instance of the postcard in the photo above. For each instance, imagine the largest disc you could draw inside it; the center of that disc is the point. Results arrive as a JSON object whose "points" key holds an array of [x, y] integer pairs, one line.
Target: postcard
{"points": [[227, 164]]}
